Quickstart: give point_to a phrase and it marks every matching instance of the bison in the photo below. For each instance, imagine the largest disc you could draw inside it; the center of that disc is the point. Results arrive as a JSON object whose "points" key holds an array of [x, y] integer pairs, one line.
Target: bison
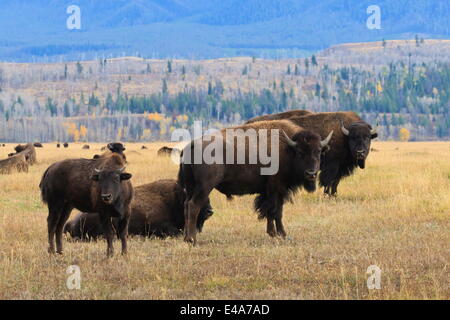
{"points": [[95, 186], [349, 147], [38, 145], [157, 210], [28, 150], [86, 147], [16, 162], [298, 154], [280, 116], [115, 147], [65, 145], [85, 227], [58, 145], [167, 151]]}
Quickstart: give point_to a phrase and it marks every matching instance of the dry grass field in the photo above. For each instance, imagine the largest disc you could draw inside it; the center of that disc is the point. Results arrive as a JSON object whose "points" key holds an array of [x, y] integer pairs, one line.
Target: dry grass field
{"points": [[394, 214]]}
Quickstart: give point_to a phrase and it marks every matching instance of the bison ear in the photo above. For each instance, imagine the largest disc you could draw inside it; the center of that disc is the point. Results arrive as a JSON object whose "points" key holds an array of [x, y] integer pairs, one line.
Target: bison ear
{"points": [[95, 177], [373, 135], [125, 176]]}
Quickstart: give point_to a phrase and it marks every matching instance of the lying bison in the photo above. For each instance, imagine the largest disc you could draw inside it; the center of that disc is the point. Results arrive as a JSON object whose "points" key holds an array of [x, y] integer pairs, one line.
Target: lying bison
{"points": [[86, 147], [280, 116], [157, 210], [38, 145], [91, 186], [167, 151], [28, 150], [349, 147], [298, 154], [16, 162]]}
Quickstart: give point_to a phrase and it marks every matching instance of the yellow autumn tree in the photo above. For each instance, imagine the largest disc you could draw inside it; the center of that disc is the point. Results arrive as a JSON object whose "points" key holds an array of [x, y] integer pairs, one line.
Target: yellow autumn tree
{"points": [[83, 132], [155, 116], [379, 87], [404, 134]]}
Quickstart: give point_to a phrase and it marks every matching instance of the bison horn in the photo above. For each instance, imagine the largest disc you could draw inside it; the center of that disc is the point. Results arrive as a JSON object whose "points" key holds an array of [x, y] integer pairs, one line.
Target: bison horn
{"points": [[289, 141], [325, 142], [344, 130], [122, 169], [97, 170], [373, 131]]}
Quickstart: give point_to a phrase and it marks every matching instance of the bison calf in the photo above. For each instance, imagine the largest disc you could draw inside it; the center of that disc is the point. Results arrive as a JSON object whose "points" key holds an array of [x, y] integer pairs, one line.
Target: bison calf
{"points": [[95, 186]]}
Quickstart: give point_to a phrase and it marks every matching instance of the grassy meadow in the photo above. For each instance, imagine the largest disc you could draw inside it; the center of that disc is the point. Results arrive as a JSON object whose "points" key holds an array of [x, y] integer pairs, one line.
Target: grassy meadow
{"points": [[394, 214]]}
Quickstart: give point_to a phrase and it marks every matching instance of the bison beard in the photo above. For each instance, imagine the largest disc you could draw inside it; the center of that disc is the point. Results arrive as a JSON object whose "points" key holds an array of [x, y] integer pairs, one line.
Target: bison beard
{"points": [[90, 186], [299, 161]]}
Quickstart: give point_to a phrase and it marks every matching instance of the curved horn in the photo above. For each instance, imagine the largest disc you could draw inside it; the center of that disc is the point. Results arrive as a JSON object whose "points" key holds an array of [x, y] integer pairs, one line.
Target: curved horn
{"points": [[344, 130], [122, 169], [327, 140], [373, 131], [289, 141], [97, 170]]}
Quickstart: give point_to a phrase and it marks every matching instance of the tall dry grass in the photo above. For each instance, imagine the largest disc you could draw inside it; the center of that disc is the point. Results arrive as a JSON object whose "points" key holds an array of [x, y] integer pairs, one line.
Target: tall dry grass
{"points": [[394, 214]]}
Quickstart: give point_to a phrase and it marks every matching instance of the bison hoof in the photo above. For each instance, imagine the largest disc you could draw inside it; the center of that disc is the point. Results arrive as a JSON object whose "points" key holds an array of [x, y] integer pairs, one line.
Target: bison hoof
{"points": [[189, 240]]}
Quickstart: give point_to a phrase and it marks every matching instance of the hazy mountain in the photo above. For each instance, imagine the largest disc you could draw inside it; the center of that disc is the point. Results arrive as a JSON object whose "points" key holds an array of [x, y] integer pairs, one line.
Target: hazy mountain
{"points": [[34, 29]]}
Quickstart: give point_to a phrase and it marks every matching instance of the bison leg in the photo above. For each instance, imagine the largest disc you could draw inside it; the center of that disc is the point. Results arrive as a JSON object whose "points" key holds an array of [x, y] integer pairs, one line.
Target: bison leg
{"points": [[65, 213], [108, 229], [279, 223], [123, 232], [271, 227], [191, 223], [334, 188], [52, 221]]}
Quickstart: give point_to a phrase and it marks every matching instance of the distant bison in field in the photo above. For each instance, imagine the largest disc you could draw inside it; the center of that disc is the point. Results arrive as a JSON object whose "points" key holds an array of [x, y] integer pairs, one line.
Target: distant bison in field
{"points": [[95, 186], [66, 145], [29, 151], [38, 145], [115, 147], [167, 151], [58, 145], [349, 146], [157, 210], [280, 116], [86, 147], [144, 148], [16, 162], [298, 158]]}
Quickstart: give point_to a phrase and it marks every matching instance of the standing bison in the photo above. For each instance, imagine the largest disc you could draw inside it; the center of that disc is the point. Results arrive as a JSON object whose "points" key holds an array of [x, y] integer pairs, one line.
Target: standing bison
{"points": [[349, 147], [95, 186], [298, 152], [280, 116]]}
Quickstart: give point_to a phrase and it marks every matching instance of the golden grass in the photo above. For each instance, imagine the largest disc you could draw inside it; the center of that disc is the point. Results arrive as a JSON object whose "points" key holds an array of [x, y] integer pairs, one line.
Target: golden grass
{"points": [[395, 214]]}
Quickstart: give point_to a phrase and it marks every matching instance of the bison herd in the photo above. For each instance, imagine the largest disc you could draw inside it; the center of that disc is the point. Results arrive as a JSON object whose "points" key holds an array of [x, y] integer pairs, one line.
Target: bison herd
{"points": [[311, 146], [20, 160]]}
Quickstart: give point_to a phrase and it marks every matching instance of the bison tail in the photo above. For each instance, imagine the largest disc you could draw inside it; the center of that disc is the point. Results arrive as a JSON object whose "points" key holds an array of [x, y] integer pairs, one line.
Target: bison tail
{"points": [[43, 185]]}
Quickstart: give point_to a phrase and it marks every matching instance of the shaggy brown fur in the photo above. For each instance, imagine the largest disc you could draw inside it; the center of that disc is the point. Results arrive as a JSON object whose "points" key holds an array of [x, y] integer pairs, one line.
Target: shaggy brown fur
{"points": [[280, 116], [16, 162], [298, 166], [94, 186]]}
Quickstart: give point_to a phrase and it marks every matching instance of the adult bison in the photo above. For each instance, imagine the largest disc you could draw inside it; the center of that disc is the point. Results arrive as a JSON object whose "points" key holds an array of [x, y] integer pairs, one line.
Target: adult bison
{"points": [[157, 210], [16, 162], [29, 151], [298, 154], [280, 116], [66, 145], [349, 146], [115, 147], [100, 185]]}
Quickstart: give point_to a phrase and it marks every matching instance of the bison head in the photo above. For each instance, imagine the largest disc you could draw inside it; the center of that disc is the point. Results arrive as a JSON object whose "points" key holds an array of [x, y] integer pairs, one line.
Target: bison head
{"points": [[116, 147], [359, 136], [109, 183], [308, 147]]}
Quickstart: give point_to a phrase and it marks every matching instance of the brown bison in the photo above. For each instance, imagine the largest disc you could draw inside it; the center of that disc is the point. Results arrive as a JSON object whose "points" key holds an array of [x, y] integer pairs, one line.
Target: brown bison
{"points": [[65, 145], [38, 145], [86, 147], [157, 210], [298, 155], [58, 145], [280, 116], [28, 150], [115, 147], [167, 151], [95, 186], [349, 146], [16, 162]]}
